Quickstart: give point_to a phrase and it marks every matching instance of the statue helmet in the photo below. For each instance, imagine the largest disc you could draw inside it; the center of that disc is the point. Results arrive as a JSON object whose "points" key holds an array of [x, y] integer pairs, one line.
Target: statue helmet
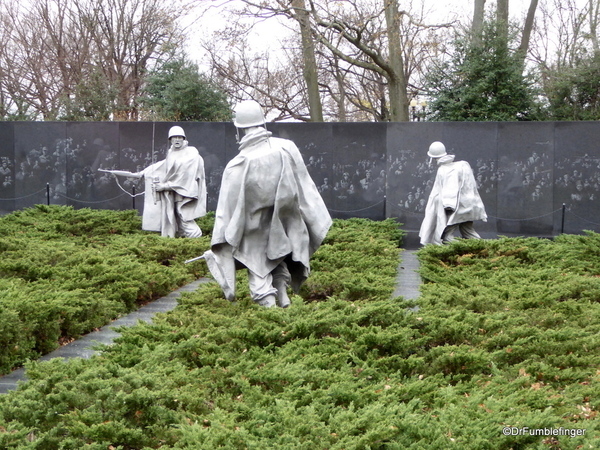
{"points": [[436, 150], [247, 114], [176, 131]]}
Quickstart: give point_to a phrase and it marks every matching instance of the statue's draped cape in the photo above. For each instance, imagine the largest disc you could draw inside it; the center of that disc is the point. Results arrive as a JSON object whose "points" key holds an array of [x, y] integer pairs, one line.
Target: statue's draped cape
{"points": [[183, 171], [454, 187], [269, 210]]}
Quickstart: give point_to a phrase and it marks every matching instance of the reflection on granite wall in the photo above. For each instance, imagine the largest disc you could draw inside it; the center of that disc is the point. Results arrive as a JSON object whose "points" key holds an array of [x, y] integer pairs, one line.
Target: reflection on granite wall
{"points": [[525, 171]]}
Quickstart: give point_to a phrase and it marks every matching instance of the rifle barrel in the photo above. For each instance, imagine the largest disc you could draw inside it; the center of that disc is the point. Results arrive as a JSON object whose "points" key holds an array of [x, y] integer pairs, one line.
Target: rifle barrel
{"points": [[194, 259]]}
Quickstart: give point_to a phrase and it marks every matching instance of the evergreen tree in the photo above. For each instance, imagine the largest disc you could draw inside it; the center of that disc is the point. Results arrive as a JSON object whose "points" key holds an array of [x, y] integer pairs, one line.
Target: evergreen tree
{"points": [[575, 94], [177, 91], [93, 98], [482, 81]]}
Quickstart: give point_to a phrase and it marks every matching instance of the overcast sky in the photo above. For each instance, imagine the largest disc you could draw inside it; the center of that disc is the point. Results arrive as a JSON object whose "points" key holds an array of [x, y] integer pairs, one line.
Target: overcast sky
{"points": [[267, 34]]}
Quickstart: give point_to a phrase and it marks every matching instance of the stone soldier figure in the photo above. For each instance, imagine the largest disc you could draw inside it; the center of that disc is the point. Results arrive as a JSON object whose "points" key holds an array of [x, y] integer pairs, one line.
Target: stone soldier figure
{"points": [[454, 201], [270, 217], [178, 189]]}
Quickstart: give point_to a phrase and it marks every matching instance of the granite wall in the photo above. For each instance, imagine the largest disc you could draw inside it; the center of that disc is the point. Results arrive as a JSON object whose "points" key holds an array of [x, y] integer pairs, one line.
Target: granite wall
{"points": [[526, 170]]}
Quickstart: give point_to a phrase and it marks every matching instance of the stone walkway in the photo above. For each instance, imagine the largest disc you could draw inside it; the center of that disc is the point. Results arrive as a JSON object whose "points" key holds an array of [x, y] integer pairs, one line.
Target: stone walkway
{"points": [[82, 347], [408, 282], [408, 279]]}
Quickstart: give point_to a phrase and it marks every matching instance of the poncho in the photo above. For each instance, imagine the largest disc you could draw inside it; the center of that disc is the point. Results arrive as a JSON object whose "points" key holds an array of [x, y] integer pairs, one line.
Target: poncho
{"points": [[183, 171], [269, 210], [455, 187]]}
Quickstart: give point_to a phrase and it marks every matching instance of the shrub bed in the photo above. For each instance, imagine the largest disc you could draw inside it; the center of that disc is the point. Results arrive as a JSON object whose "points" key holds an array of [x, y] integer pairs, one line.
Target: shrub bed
{"points": [[506, 337], [65, 272]]}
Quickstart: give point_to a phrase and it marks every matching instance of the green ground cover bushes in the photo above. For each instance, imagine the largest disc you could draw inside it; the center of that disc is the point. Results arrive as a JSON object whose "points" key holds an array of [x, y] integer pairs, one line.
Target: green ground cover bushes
{"points": [[65, 272], [506, 337]]}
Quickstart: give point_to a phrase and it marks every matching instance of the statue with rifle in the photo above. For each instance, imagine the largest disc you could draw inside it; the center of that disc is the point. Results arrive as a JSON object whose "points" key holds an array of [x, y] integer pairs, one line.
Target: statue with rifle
{"points": [[178, 188]]}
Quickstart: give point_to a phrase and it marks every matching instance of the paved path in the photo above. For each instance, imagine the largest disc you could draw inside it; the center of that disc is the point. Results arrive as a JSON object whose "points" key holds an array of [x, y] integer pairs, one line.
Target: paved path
{"points": [[408, 279], [407, 285], [82, 347]]}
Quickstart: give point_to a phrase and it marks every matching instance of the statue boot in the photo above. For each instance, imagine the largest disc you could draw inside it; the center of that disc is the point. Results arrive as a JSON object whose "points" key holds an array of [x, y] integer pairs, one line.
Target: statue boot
{"points": [[281, 281], [281, 284], [268, 302]]}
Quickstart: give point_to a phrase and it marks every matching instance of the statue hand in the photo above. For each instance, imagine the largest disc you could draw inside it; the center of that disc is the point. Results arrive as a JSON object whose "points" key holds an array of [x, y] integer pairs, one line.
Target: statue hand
{"points": [[160, 187]]}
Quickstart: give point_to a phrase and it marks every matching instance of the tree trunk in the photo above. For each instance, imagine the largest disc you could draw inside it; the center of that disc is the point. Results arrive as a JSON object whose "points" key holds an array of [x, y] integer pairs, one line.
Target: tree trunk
{"points": [[527, 27], [311, 76], [594, 8], [502, 18], [395, 77], [477, 26], [341, 98]]}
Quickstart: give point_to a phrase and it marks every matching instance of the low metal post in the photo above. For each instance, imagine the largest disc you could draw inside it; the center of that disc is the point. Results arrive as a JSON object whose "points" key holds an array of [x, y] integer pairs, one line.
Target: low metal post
{"points": [[133, 196], [48, 194], [562, 225]]}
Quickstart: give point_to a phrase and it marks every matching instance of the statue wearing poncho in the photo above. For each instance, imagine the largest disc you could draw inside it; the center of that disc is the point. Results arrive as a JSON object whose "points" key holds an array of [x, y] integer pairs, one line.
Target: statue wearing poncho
{"points": [[180, 195], [454, 201], [270, 218], [175, 189]]}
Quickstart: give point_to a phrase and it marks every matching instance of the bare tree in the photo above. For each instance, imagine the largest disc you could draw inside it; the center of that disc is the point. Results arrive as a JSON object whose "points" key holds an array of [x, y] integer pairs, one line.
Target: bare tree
{"points": [[127, 34], [565, 24], [574, 40], [335, 86], [234, 35], [53, 46], [38, 56], [244, 74], [362, 34], [502, 17], [395, 75], [11, 104], [354, 42]]}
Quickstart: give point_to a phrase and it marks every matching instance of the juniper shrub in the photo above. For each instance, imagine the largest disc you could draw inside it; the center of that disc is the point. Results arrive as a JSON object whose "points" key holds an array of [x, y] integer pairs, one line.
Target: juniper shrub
{"points": [[506, 335]]}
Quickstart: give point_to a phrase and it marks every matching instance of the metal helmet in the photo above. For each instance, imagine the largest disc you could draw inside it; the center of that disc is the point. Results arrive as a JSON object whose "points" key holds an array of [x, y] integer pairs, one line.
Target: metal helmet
{"points": [[436, 150], [176, 131], [247, 114]]}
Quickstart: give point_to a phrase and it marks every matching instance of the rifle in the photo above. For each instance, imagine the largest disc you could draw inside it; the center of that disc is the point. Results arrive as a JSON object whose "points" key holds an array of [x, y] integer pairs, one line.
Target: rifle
{"points": [[123, 173], [155, 179], [194, 259]]}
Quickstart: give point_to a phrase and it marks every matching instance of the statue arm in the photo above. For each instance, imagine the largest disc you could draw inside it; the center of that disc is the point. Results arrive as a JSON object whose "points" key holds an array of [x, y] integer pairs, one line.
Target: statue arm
{"points": [[451, 188]]}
